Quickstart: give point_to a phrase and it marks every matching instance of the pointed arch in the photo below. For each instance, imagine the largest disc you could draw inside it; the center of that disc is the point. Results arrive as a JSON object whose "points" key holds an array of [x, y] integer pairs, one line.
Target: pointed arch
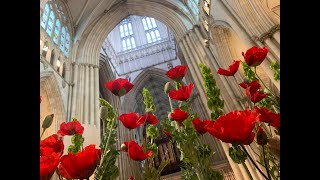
{"points": [[49, 86]]}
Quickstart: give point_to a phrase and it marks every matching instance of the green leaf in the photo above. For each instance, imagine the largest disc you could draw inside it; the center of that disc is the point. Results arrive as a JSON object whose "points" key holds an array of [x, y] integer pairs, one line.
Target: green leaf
{"points": [[237, 155], [152, 132]]}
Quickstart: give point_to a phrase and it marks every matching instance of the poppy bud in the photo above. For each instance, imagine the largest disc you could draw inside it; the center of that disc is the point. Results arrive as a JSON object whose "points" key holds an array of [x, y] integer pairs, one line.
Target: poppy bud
{"points": [[170, 117], [103, 112], [246, 80], [124, 147], [47, 121], [122, 91], [168, 87], [262, 138]]}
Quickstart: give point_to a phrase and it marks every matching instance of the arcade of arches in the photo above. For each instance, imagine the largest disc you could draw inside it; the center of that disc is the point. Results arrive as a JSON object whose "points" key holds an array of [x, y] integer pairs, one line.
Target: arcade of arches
{"points": [[85, 43]]}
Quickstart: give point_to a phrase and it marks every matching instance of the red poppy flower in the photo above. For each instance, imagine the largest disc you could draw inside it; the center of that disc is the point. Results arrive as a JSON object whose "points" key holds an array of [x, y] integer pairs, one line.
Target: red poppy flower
{"points": [[131, 120], [177, 73], [255, 56], [51, 145], [200, 125], [80, 165], [48, 165], [135, 151], [262, 138], [233, 68], [71, 128], [150, 118], [268, 116], [234, 127], [182, 94], [119, 87], [130, 178], [179, 115], [167, 134], [257, 96], [254, 86]]}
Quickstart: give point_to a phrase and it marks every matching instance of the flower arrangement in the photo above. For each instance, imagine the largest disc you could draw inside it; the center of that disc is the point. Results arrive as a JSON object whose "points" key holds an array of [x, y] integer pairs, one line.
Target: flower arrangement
{"points": [[258, 122]]}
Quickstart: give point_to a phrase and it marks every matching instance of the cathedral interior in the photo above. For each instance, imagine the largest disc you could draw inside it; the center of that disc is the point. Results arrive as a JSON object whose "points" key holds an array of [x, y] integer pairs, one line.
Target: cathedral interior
{"points": [[86, 43]]}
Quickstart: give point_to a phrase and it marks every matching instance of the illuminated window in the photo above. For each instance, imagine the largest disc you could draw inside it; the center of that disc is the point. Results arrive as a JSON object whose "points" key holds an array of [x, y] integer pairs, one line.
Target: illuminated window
{"points": [[151, 29], [55, 24], [126, 35]]}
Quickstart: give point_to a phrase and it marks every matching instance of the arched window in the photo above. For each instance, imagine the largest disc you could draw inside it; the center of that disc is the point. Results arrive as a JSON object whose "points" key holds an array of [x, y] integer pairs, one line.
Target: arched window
{"points": [[64, 70], [52, 58], [56, 24], [45, 49], [126, 35], [58, 65], [193, 5], [151, 29]]}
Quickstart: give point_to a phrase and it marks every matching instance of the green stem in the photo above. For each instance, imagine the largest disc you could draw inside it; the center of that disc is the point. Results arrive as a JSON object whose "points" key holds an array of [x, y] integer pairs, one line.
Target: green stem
{"points": [[247, 170], [265, 162], [106, 147], [170, 102], [255, 72], [42, 132], [242, 96], [244, 149]]}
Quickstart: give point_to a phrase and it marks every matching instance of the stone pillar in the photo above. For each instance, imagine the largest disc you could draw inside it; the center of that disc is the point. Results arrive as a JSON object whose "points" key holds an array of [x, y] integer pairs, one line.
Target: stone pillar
{"points": [[276, 36], [74, 89], [91, 98], [96, 96], [273, 48], [80, 96], [266, 67], [86, 94]]}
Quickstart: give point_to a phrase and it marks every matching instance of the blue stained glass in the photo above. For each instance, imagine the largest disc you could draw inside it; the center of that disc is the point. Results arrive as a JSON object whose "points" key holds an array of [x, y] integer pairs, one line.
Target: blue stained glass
{"points": [[62, 40], [45, 16], [50, 23], [67, 44], [56, 32]]}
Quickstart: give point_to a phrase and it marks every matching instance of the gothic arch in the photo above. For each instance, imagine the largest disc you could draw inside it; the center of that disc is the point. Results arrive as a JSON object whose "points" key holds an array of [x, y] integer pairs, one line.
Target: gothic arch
{"points": [[93, 37], [49, 84]]}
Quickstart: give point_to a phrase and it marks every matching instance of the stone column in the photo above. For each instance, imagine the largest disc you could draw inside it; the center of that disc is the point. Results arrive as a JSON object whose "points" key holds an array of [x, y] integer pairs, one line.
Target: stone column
{"points": [[273, 48], [91, 98], [96, 96], [266, 67], [276, 36], [81, 96], [86, 94], [74, 89]]}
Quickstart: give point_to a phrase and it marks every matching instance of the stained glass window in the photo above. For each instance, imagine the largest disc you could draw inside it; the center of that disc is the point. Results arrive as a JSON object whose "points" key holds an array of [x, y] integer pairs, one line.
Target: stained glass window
{"points": [[56, 32], [193, 5], [151, 29], [50, 23], [55, 24], [126, 35], [62, 41], [45, 16], [67, 44]]}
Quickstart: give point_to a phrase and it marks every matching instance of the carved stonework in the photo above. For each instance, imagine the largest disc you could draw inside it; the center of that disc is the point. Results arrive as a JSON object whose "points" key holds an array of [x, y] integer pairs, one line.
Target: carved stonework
{"points": [[268, 34]]}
